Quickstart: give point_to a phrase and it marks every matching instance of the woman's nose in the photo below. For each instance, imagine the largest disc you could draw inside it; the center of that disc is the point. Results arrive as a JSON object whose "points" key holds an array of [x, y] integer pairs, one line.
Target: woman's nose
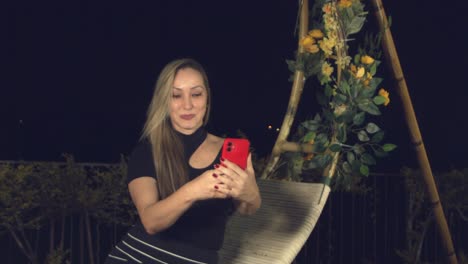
{"points": [[188, 102]]}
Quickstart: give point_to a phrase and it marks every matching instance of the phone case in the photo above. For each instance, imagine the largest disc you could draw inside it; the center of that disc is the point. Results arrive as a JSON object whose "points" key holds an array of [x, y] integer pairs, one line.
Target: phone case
{"points": [[236, 150]]}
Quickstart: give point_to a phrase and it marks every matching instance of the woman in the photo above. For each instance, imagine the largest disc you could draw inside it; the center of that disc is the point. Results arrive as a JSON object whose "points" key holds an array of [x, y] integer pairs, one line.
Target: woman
{"points": [[183, 191]]}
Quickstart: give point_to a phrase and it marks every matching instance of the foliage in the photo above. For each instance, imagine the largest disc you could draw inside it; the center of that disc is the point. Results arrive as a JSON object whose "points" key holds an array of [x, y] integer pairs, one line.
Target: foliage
{"points": [[348, 93], [58, 256], [453, 186], [31, 193]]}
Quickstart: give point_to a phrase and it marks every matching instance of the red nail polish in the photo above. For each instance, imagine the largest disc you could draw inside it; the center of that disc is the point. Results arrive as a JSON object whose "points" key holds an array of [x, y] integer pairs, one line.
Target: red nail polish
{"points": [[216, 187], [214, 175], [224, 165], [222, 159], [216, 166]]}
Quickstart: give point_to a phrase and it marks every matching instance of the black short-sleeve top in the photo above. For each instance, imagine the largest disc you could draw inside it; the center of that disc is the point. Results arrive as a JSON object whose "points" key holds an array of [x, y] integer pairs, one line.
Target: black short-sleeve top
{"points": [[203, 224]]}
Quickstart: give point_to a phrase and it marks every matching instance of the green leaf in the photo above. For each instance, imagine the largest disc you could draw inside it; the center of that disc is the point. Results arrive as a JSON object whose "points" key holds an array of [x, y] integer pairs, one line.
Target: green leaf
{"points": [[335, 147], [322, 137], [320, 161], [319, 147], [328, 90], [311, 125], [357, 59], [291, 65], [346, 167], [373, 69], [309, 136], [359, 119], [389, 147], [344, 87], [358, 149], [366, 158], [349, 12], [321, 143], [379, 152], [350, 157], [355, 25], [340, 98], [378, 100], [374, 83], [324, 160], [362, 136], [317, 118], [342, 136], [369, 107], [364, 170], [377, 137], [372, 128]]}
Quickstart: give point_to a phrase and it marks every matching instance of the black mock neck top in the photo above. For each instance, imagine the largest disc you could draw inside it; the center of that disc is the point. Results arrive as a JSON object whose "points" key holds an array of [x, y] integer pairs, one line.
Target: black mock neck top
{"points": [[203, 224]]}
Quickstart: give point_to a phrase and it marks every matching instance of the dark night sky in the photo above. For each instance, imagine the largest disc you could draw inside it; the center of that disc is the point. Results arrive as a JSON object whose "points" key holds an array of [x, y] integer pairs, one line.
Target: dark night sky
{"points": [[80, 74]]}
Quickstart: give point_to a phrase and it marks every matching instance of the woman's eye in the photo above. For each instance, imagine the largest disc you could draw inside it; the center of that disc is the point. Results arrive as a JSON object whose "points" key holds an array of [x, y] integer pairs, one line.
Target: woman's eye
{"points": [[197, 94], [176, 96]]}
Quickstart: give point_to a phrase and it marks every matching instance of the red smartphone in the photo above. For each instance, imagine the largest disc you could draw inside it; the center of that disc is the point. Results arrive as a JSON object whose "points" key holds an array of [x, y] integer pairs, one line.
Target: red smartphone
{"points": [[236, 150]]}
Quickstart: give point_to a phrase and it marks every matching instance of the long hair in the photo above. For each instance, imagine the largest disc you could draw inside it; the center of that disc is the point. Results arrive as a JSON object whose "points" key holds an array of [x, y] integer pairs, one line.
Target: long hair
{"points": [[167, 148]]}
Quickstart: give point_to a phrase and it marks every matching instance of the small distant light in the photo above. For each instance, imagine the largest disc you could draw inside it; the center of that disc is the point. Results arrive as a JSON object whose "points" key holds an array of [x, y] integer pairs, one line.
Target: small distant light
{"points": [[270, 127], [277, 129]]}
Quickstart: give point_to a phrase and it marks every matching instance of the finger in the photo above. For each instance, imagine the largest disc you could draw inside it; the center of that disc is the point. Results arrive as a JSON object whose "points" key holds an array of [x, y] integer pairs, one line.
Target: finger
{"points": [[223, 189], [249, 162], [226, 173], [232, 166], [226, 180], [220, 195]]}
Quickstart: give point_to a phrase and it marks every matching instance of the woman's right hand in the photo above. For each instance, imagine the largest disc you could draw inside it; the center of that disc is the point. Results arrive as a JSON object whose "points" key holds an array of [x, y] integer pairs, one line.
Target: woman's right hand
{"points": [[206, 186]]}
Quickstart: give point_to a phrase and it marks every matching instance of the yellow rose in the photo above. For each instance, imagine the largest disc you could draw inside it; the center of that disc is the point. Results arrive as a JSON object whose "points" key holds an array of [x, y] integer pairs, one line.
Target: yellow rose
{"points": [[307, 41], [367, 60], [309, 44], [345, 3], [327, 8], [339, 110], [312, 48], [385, 94], [327, 45], [360, 72], [368, 79], [327, 69], [316, 33], [309, 156]]}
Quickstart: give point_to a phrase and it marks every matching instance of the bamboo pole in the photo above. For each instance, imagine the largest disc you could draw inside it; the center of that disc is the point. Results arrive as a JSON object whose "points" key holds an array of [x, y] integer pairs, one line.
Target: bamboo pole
{"points": [[416, 138], [296, 93]]}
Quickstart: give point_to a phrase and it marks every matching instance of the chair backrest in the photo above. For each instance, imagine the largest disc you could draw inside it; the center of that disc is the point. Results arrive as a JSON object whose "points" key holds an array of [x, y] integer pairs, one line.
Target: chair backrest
{"points": [[279, 229]]}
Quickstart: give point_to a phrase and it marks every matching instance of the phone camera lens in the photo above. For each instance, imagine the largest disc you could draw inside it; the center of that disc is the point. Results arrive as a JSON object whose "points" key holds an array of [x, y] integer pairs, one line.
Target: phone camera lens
{"points": [[229, 144], [229, 149]]}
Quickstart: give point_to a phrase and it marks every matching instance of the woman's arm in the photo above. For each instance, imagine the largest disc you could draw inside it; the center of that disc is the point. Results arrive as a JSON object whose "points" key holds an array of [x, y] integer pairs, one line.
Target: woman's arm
{"points": [[154, 214], [157, 215]]}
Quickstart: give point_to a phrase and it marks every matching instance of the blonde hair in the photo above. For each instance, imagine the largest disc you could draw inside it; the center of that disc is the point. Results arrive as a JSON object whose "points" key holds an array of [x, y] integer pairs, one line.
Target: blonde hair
{"points": [[167, 148]]}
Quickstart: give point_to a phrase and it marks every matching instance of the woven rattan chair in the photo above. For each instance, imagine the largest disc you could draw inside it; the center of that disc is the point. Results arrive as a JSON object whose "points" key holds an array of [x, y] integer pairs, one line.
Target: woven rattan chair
{"points": [[279, 229]]}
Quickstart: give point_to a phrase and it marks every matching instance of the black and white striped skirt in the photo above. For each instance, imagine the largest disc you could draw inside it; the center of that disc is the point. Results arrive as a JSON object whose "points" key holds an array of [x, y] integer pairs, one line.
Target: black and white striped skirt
{"points": [[137, 246]]}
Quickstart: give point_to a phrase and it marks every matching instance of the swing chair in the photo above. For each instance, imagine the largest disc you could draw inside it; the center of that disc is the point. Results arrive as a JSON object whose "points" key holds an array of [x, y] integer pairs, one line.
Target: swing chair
{"points": [[279, 229], [290, 210]]}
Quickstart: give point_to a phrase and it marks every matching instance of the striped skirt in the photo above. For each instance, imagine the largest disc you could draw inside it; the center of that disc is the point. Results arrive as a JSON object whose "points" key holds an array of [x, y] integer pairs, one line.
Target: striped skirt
{"points": [[137, 246]]}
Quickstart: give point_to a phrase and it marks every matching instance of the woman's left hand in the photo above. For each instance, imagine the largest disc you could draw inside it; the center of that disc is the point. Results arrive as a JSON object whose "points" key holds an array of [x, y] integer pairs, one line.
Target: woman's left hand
{"points": [[238, 183]]}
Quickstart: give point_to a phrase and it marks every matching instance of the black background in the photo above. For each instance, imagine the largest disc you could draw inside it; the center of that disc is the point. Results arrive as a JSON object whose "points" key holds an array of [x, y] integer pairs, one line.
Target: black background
{"points": [[78, 75]]}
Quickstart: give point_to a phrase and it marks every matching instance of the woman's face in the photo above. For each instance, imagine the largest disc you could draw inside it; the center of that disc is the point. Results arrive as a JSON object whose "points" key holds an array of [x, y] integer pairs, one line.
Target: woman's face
{"points": [[188, 103]]}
